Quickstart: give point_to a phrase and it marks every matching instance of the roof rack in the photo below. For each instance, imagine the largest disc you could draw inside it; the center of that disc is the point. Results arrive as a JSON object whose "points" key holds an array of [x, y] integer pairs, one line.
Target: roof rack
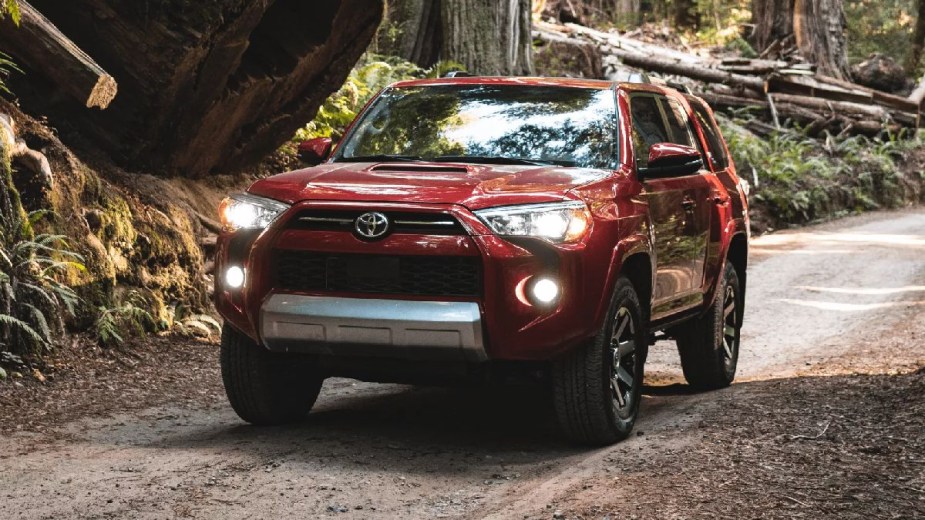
{"points": [[680, 87], [457, 74]]}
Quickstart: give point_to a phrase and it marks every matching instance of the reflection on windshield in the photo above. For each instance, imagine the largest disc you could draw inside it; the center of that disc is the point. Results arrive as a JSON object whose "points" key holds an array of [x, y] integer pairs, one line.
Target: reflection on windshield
{"points": [[488, 123]]}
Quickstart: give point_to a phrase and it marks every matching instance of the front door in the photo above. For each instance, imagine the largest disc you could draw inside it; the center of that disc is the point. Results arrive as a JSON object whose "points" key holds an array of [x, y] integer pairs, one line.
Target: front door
{"points": [[678, 206]]}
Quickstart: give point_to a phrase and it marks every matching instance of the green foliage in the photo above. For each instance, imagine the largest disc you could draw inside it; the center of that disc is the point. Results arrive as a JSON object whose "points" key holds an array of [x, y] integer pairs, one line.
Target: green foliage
{"points": [[721, 23], [797, 179], [883, 26], [6, 67], [372, 73], [129, 316], [9, 8], [33, 302]]}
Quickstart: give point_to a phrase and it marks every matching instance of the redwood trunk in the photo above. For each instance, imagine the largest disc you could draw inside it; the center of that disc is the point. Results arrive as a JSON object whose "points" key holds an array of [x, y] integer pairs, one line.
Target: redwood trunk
{"points": [[489, 37], [819, 28], [918, 41], [204, 86], [773, 21]]}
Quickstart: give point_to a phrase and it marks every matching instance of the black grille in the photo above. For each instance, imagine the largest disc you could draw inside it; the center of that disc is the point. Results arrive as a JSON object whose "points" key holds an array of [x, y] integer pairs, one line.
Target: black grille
{"points": [[399, 221], [375, 274]]}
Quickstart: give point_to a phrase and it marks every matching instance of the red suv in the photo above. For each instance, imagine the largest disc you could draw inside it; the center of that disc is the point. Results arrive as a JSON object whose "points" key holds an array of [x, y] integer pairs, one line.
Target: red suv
{"points": [[468, 228]]}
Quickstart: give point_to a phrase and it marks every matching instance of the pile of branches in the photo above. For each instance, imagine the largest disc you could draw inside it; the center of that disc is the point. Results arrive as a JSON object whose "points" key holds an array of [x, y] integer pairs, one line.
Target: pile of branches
{"points": [[774, 89]]}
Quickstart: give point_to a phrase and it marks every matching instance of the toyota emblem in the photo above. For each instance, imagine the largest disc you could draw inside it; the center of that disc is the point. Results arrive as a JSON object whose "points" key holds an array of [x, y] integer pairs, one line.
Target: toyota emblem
{"points": [[371, 225]]}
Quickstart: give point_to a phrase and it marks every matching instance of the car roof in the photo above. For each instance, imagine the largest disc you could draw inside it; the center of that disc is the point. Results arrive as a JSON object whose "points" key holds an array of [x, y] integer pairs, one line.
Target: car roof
{"points": [[539, 82], [510, 80]]}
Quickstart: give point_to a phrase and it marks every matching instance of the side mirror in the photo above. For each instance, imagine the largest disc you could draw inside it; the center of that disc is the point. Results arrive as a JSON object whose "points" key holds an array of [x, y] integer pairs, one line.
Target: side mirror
{"points": [[671, 160], [315, 151]]}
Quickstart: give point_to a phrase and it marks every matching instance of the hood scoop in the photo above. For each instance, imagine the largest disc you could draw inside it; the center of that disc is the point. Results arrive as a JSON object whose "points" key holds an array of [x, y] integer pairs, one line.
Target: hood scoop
{"points": [[422, 168]]}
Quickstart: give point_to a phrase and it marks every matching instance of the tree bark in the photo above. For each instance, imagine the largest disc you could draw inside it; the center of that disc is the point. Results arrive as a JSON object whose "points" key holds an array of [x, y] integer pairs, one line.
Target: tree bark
{"points": [[204, 86], [39, 44], [819, 27], [412, 30], [816, 26], [489, 37], [773, 21], [918, 41]]}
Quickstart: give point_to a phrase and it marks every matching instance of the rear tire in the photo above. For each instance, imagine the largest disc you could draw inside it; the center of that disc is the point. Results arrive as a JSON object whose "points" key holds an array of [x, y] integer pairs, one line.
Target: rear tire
{"points": [[266, 388], [598, 387], [709, 345]]}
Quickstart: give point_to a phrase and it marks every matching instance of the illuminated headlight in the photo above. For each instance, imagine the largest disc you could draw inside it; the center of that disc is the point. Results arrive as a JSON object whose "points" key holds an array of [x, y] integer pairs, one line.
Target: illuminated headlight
{"points": [[234, 277], [545, 291], [556, 222], [243, 211]]}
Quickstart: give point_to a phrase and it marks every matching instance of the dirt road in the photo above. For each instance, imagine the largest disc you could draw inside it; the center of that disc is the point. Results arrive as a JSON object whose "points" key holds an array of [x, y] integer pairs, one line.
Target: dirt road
{"points": [[827, 420]]}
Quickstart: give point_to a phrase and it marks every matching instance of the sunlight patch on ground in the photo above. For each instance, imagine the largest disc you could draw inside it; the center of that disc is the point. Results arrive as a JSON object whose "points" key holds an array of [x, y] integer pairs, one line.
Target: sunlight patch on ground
{"points": [[849, 307], [864, 290], [802, 239]]}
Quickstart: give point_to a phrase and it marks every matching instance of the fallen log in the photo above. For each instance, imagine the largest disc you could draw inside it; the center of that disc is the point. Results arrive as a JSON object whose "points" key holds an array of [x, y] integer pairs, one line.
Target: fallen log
{"points": [[38, 44], [700, 73]]}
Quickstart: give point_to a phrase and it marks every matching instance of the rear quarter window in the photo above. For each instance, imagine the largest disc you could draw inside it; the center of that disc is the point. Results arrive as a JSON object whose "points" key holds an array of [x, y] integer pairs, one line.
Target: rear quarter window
{"points": [[713, 136]]}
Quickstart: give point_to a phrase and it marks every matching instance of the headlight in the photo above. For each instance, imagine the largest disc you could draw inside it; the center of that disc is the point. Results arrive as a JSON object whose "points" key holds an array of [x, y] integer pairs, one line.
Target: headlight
{"points": [[556, 222], [243, 211]]}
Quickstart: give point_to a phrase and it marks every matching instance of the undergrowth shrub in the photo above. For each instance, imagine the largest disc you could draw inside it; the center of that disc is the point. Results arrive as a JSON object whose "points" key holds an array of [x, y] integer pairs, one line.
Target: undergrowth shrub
{"points": [[33, 302], [797, 179]]}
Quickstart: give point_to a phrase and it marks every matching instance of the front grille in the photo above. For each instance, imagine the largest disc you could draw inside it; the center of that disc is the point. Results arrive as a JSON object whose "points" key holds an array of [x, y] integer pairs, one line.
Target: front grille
{"points": [[379, 274], [400, 221]]}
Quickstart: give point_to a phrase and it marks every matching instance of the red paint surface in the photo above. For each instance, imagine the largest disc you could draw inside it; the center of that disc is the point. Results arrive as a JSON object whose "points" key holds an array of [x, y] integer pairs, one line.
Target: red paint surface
{"points": [[514, 330]]}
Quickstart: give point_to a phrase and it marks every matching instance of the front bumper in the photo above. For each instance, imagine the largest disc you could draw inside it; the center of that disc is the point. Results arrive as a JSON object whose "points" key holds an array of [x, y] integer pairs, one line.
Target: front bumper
{"points": [[403, 329], [498, 323]]}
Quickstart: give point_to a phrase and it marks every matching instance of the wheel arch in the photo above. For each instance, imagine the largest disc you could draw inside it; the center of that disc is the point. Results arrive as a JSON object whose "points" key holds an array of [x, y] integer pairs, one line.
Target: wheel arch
{"points": [[637, 267], [737, 255]]}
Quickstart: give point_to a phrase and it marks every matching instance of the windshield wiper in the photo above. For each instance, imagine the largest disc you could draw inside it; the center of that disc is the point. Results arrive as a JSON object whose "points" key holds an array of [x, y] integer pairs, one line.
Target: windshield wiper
{"points": [[497, 159], [381, 158]]}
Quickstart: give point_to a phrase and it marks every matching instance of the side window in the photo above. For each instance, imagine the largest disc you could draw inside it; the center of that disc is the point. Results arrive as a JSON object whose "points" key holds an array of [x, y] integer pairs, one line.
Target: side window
{"points": [[678, 125], [648, 126], [713, 135]]}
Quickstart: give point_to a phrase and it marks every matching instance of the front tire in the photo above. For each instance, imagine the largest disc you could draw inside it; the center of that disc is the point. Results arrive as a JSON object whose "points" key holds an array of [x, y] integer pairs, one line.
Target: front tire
{"points": [[709, 345], [266, 388], [597, 388]]}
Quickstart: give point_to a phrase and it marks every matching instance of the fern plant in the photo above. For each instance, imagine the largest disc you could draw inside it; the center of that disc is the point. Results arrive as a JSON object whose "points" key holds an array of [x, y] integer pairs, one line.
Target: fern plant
{"points": [[129, 316], [8, 8], [33, 302]]}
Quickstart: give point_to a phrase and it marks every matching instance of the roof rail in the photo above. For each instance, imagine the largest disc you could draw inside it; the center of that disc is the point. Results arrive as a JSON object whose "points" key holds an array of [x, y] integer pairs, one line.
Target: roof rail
{"points": [[457, 74], [680, 87]]}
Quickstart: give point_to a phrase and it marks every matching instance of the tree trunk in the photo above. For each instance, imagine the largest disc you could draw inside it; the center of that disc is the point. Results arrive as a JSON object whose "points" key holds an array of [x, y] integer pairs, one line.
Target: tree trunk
{"points": [[773, 21], [683, 14], [627, 12], [816, 26], [489, 37], [203, 86], [819, 27], [918, 41], [39, 43], [412, 30]]}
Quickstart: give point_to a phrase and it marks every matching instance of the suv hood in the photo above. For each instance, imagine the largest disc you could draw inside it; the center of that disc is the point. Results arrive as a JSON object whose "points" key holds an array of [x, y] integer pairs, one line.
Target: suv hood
{"points": [[474, 186]]}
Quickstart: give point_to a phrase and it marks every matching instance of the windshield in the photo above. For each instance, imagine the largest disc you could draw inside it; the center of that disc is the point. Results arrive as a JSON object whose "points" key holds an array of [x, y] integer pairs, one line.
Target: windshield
{"points": [[504, 124]]}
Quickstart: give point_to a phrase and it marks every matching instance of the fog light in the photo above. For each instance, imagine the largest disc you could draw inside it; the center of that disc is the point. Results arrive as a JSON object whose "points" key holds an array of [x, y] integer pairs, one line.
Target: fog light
{"points": [[545, 291], [234, 277]]}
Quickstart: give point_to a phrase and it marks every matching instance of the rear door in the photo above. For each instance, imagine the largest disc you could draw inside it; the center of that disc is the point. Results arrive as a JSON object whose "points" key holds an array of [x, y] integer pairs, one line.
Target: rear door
{"points": [[677, 206]]}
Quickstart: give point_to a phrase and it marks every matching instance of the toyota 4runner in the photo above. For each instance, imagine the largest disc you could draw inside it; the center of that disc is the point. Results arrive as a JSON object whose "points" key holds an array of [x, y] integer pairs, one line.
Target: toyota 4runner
{"points": [[470, 227]]}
